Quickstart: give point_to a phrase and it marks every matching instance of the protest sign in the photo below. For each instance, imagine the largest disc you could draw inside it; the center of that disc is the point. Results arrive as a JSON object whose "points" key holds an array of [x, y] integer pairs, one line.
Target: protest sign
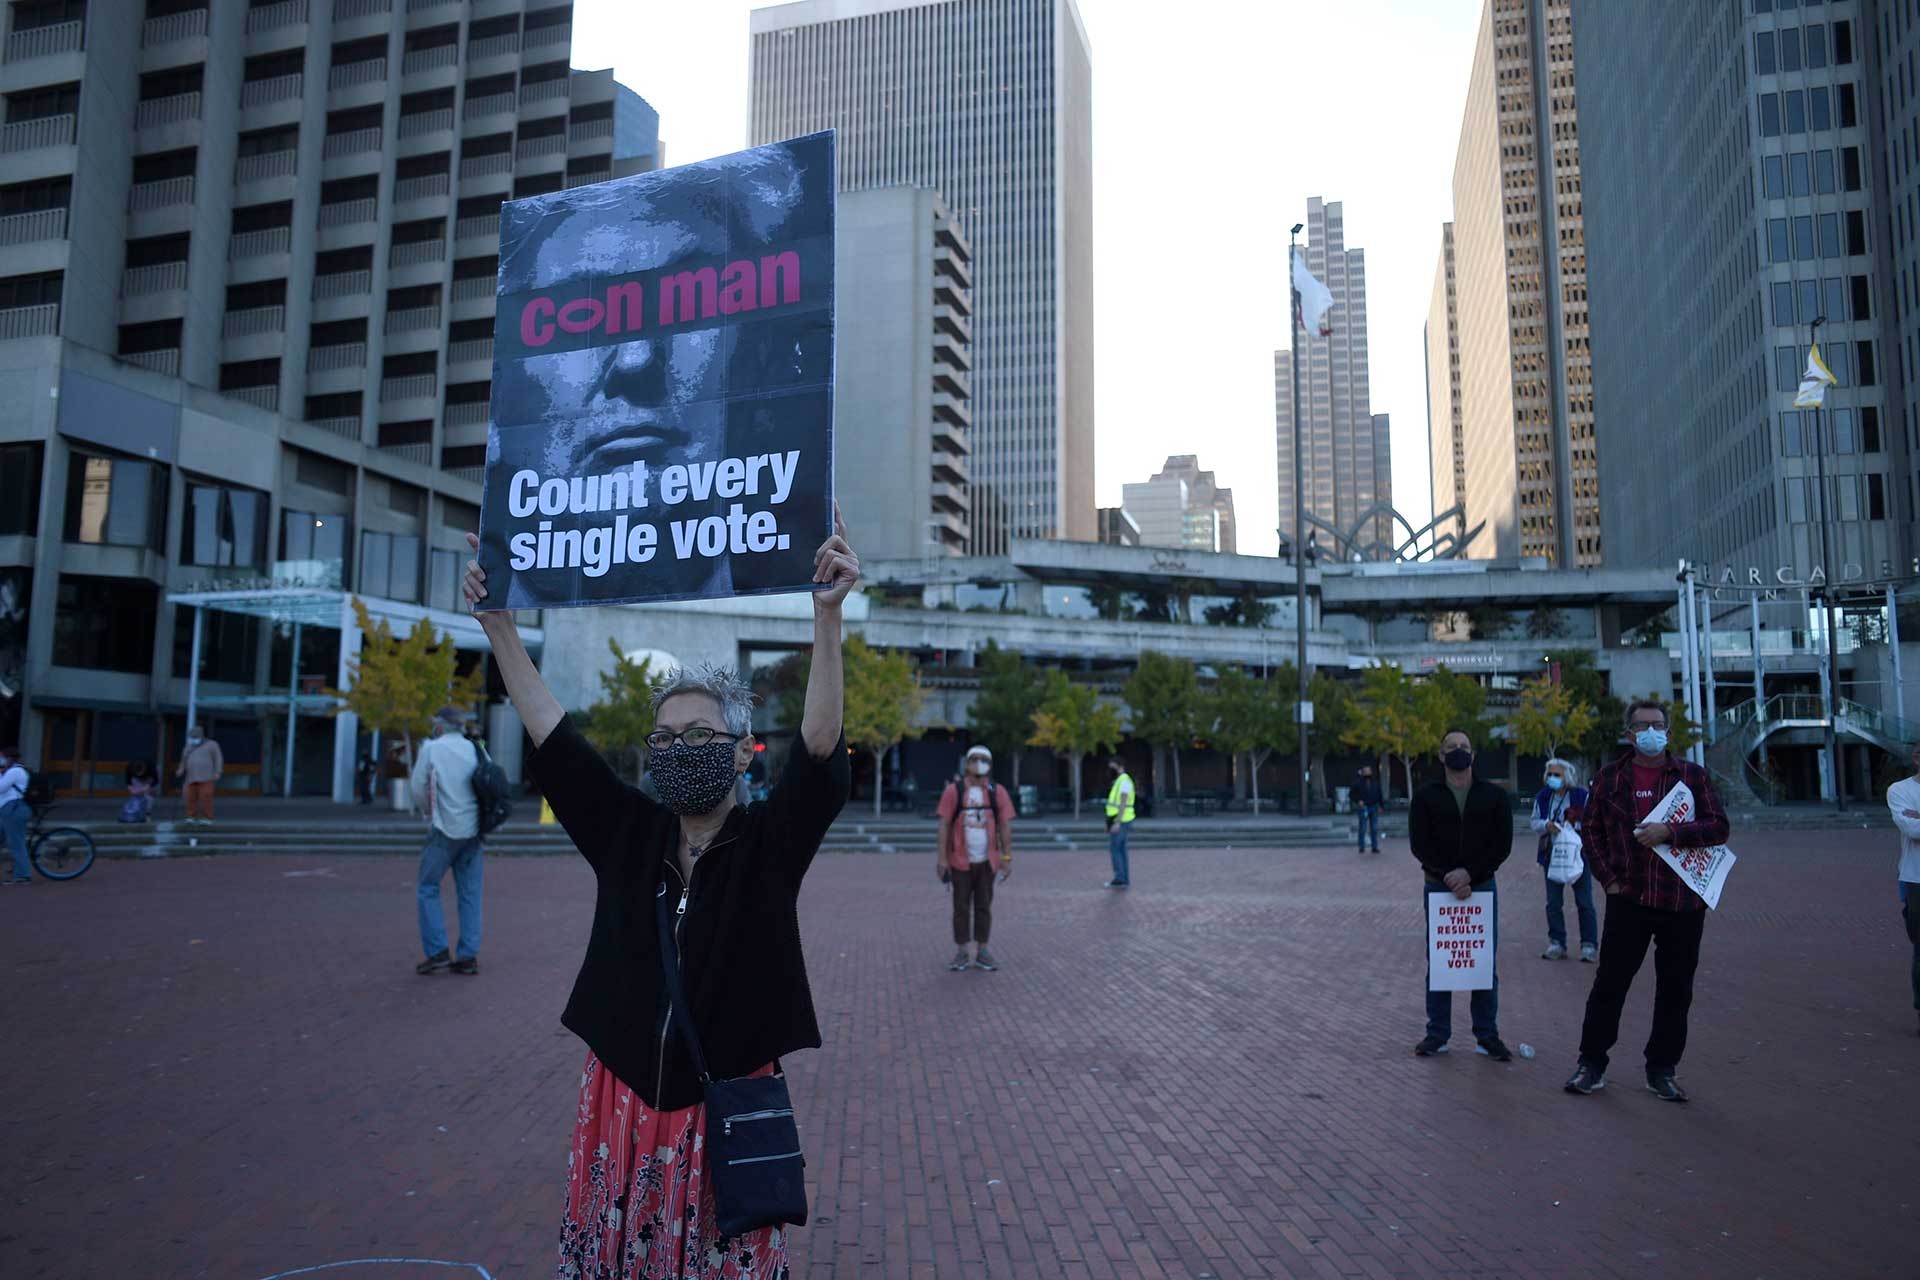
{"points": [[1459, 941], [661, 423], [1702, 870]]}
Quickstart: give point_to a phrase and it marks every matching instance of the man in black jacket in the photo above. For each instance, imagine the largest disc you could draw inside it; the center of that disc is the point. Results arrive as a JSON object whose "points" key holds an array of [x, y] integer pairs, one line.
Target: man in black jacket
{"points": [[1461, 830]]}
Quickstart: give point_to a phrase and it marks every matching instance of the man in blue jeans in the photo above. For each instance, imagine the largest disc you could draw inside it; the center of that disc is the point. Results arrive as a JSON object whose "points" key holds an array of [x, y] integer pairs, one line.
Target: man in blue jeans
{"points": [[442, 785], [1461, 830], [1367, 801], [1119, 821]]}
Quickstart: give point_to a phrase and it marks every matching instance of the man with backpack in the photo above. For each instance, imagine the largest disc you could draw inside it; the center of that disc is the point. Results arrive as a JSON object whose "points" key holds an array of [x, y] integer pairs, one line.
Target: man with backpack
{"points": [[458, 789], [975, 852], [15, 813]]}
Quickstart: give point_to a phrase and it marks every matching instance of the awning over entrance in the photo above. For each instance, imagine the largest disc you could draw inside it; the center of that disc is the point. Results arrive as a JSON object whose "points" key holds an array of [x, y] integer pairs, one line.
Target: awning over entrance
{"points": [[332, 609]]}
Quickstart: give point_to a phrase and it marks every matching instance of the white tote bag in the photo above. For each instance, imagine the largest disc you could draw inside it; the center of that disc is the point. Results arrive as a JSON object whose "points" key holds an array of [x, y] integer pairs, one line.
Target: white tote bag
{"points": [[1564, 863]]}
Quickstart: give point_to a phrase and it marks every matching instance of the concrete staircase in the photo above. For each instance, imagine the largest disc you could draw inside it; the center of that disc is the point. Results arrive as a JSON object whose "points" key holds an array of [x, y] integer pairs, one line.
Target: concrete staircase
{"points": [[256, 831]]}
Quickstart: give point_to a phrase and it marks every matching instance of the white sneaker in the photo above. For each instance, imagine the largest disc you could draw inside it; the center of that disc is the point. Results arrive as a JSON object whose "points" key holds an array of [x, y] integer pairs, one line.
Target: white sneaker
{"points": [[1554, 951], [1588, 953]]}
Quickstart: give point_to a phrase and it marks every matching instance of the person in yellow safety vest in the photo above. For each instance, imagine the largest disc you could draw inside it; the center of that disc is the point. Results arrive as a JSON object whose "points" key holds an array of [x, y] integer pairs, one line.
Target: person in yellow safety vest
{"points": [[1119, 820]]}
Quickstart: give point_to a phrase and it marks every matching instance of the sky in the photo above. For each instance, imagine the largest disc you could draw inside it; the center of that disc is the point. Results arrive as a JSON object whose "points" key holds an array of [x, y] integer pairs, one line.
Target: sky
{"points": [[1219, 125]]}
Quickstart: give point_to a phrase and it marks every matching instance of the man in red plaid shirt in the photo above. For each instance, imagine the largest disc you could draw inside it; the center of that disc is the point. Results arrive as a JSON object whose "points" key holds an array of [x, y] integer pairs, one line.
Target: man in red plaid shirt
{"points": [[1647, 904]]}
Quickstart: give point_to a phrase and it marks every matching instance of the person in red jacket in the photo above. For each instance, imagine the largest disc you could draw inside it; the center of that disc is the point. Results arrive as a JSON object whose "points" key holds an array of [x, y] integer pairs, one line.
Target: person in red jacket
{"points": [[1647, 904], [976, 851]]}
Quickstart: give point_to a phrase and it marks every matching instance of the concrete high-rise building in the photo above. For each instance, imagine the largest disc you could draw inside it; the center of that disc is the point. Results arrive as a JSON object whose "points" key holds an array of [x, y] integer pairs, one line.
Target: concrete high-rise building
{"points": [[1445, 447], [902, 267], [1167, 509], [1347, 464], [1771, 151], [247, 273], [989, 103], [1204, 492], [1529, 461]]}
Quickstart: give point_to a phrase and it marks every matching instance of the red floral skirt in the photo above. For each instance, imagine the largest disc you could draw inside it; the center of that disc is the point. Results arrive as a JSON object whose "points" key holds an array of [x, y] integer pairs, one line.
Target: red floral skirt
{"points": [[639, 1206]]}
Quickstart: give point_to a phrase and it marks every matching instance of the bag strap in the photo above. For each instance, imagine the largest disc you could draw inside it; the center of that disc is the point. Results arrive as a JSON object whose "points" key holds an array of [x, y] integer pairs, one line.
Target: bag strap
{"points": [[676, 991]]}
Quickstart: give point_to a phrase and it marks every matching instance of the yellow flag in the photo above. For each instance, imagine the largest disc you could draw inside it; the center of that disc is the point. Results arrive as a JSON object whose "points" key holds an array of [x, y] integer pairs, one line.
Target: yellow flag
{"points": [[1814, 382]]}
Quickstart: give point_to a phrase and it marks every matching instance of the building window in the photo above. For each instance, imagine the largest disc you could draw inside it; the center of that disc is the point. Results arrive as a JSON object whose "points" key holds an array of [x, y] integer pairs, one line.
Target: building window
{"points": [[313, 548], [1769, 115], [224, 527], [1793, 105], [1816, 35], [1869, 429], [20, 490], [1849, 107], [1876, 496], [1799, 174], [1856, 232], [443, 580], [1830, 236], [1777, 250], [1819, 109], [1790, 49], [1803, 237], [1862, 299], [1868, 374], [1763, 59], [119, 502], [1823, 179], [1842, 43], [390, 565], [229, 645], [1783, 302], [1850, 168], [1773, 178], [104, 624]]}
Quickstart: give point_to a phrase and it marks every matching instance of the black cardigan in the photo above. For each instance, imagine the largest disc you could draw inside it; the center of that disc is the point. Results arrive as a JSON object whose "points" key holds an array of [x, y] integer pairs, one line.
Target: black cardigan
{"points": [[740, 940], [1443, 838]]}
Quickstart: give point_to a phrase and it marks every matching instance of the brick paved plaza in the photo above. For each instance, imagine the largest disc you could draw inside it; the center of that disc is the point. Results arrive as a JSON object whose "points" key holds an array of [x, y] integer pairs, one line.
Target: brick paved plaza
{"points": [[226, 1067]]}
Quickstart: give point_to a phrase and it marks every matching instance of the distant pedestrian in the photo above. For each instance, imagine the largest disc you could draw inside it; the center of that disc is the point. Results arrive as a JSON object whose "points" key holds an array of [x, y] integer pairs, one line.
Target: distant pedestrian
{"points": [[1367, 801], [363, 776], [1559, 806], [200, 768], [1903, 798], [15, 813], [1461, 830], [143, 784], [1119, 821], [975, 853], [442, 786], [1647, 904]]}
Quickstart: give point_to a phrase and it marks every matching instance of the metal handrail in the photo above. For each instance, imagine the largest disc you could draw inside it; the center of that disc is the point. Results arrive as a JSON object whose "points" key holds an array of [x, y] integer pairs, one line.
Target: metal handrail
{"points": [[272, 16], [144, 197], [265, 164], [346, 75], [44, 131], [341, 284], [44, 42], [173, 26], [41, 224], [258, 93], [426, 122], [174, 109], [156, 278]]}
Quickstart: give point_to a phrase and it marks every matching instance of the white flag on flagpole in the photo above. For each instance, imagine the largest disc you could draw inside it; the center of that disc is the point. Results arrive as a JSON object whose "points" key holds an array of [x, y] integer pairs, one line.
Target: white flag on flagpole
{"points": [[1814, 382], [1315, 300]]}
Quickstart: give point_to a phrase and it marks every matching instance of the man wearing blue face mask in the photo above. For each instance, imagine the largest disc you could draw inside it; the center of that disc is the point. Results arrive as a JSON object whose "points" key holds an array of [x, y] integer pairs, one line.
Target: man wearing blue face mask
{"points": [[1647, 904], [1460, 831]]}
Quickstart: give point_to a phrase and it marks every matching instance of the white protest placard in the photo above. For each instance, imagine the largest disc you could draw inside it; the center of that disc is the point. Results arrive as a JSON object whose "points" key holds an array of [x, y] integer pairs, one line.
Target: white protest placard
{"points": [[1459, 942], [1702, 870]]}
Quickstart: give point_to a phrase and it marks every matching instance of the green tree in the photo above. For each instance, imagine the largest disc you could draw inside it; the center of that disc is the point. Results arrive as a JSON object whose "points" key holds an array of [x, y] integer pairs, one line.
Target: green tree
{"points": [[1164, 696], [1457, 702], [1250, 716], [396, 684], [1073, 722], [1547, 717], [785, 688], [1393, 716], [1002, 712], [1587, 683], [1682, 730], [623, 717], [883, 702], [1545, 623]]}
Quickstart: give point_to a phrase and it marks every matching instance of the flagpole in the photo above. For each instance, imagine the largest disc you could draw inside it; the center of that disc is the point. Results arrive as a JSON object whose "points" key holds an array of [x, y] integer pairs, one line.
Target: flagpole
{"points": [[1826, 598], [1296, 332]]}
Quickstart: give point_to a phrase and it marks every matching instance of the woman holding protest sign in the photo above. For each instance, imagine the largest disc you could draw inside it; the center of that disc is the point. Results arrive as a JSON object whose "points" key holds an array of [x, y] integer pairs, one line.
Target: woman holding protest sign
{"points": [[1557, 810], [685, 1159]]}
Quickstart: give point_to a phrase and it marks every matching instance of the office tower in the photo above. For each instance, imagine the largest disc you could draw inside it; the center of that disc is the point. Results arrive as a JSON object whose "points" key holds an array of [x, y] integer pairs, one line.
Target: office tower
{"points": [[1344, 465], [1445, 448], [987, 102], [247, 259], [1702, 298], [1529, 465], [1204, 493], [902, 267], [1181, 506]]}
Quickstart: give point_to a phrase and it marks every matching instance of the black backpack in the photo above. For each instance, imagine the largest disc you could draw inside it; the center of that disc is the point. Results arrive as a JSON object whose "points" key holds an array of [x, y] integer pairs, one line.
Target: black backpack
{"points": [[39, 792], [492, 793]]}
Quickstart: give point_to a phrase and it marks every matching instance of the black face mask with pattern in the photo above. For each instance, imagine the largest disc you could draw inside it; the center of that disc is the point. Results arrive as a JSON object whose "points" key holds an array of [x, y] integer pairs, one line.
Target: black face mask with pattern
{"points": [[692, 780]]}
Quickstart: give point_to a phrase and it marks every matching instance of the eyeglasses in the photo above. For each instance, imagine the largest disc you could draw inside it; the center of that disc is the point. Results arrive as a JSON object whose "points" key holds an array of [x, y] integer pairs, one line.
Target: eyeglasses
{"points": [[698, 736]]}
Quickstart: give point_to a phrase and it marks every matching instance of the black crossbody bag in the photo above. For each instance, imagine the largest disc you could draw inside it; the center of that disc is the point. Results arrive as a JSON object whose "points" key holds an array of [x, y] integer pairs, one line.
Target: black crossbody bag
{"points": [[752, 1142]]}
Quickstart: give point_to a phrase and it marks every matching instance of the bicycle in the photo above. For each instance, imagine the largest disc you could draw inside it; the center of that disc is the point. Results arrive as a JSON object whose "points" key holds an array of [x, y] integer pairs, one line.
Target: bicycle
{"points": [[58, 853]]}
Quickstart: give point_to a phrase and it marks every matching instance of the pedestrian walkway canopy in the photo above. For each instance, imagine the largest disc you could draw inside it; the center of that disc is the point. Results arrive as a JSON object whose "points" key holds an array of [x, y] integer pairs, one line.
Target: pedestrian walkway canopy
{"points": [[300, 607]]}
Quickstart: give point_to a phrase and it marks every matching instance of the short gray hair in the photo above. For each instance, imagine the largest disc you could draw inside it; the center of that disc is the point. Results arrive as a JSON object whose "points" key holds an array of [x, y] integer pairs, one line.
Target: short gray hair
{"points": [[1573, 771], [723, 686]]}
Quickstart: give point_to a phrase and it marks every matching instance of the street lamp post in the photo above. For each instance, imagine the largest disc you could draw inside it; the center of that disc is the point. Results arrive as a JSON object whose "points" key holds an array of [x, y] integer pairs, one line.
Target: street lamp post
{"points": [[1303, 708], [1825, 596]]}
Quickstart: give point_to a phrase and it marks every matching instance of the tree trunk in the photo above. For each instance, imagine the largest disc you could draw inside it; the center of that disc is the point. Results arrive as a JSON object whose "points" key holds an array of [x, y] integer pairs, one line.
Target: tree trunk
{"points": [[1254, 760], [1017, 752], [1406, 763], [1073, 763], [879, 760], [1174, 751], [1159, 775], [639, 765]]}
